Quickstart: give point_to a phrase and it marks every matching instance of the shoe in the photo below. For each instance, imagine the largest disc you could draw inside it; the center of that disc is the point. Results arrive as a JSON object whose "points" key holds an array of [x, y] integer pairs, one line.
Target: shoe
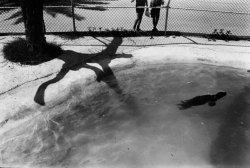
{"points": [[155, 30], [139, 30]]}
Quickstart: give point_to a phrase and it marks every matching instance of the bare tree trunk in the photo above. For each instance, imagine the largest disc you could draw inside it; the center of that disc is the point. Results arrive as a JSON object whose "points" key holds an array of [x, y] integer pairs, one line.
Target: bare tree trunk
{"points": [[34, 24]]}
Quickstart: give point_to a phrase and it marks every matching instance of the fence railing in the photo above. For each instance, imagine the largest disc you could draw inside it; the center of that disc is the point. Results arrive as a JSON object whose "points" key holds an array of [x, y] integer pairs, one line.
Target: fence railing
{"points": [[77, 18]]}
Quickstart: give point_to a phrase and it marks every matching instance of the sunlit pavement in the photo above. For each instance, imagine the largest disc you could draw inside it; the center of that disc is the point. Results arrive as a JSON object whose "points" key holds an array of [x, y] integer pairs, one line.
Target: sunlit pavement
{"points": [[32, 97]]}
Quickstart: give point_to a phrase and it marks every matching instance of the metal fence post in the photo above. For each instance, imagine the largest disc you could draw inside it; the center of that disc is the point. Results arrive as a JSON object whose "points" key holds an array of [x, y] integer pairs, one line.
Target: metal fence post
{"points": [[73, 15], [166, 19]]}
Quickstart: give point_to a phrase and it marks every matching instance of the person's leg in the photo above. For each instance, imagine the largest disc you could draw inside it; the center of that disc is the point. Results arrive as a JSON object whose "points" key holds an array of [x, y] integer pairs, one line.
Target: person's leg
{"points": [[139, 20], [157, 16], [153, 18], [136, 21], [139, 14]]}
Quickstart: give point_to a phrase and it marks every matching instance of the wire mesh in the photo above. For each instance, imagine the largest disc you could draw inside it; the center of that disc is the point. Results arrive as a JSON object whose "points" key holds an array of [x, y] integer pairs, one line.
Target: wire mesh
{"points": [[199, 16], [11, 20], [192, 16], [58, 19], [114, 19], [207, 22]]}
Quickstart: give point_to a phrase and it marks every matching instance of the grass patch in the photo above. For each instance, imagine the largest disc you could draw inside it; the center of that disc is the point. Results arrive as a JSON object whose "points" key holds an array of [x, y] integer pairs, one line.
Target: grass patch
{"points": [[222, 34], [17, 52]]}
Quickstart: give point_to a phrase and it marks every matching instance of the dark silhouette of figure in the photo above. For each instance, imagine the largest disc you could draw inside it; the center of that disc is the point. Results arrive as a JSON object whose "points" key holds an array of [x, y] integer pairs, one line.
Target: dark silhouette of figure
{"points": [[75, 61], [200, 100], [139, 12], [155, 12]]}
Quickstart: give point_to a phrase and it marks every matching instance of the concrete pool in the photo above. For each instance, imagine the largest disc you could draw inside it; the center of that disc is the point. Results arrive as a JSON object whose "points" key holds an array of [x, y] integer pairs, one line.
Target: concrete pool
{"points": [[131, 117]]}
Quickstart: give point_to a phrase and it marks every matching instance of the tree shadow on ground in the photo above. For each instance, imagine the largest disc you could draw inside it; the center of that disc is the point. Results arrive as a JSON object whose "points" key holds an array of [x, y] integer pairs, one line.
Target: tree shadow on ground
{"points": [[75, 61], [17, 51], [229, 149]]}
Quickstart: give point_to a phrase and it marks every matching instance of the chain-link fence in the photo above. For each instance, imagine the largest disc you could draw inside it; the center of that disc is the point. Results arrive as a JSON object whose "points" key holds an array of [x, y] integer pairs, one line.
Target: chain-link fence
{"points": [[204, 16], [192, 16]]}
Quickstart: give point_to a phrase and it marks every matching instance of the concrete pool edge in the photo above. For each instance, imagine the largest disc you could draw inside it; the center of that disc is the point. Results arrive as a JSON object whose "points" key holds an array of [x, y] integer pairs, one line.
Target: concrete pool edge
{"points": [[219, 56], [230, 56]]}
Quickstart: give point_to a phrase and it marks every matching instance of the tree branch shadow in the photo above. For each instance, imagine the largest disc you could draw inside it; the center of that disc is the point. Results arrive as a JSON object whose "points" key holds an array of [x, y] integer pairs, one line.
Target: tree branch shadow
{"points": [[75, 61]]}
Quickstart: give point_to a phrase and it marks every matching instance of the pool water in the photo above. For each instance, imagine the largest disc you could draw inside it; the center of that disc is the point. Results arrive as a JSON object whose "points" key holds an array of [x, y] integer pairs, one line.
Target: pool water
{"points": [[132, 120]]}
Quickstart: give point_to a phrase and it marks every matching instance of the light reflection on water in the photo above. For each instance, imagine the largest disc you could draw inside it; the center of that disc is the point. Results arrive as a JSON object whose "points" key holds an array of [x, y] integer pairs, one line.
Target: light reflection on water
{"points": [[142, 127]]}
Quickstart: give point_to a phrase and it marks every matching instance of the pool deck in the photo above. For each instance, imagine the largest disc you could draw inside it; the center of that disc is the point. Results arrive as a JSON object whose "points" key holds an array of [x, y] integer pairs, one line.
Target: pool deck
{"points": [[19, 84]]}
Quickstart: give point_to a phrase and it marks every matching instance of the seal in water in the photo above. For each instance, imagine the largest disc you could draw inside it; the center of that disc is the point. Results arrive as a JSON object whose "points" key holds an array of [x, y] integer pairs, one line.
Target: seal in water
{"points": [[200, 100]]}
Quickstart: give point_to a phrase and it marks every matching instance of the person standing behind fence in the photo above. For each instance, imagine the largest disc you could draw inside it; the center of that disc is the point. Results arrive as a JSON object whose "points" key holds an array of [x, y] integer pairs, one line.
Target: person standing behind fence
{"points": [[155, 12], [139, 12]]}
